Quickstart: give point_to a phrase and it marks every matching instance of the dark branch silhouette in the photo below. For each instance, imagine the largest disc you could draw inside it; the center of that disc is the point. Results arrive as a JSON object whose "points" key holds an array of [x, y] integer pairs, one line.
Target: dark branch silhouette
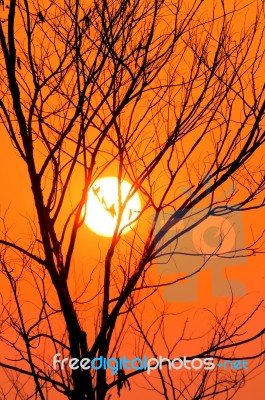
{"points": [[168, 96]]}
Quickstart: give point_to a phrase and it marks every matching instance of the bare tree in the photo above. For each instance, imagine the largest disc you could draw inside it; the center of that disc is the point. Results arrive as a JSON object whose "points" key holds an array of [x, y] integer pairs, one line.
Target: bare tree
{"points": [[170, 97]]}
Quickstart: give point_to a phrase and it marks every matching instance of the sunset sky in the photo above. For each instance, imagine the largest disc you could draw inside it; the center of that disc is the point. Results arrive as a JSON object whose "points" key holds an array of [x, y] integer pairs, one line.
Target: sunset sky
{"points": [[179, 319]]}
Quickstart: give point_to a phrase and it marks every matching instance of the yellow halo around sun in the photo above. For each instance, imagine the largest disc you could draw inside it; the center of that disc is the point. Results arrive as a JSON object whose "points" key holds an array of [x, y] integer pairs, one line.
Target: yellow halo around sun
{"points": [[103, 206]]}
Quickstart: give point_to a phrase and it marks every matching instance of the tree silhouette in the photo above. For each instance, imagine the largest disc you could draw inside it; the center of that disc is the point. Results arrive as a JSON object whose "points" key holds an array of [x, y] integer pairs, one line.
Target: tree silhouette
{"points": [[170, 97]]}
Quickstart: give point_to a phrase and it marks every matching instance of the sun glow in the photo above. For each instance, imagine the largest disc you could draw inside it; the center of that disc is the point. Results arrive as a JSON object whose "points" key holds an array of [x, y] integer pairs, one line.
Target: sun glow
{"points": [[103, 206]]}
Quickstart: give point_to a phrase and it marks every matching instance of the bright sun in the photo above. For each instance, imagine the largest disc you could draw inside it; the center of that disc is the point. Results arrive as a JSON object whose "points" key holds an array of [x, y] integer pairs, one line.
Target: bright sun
{"points": [[103, 206]]}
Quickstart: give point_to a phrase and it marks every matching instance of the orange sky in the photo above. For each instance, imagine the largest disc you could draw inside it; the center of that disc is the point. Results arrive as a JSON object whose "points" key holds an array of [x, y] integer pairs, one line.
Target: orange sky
{"points": [[90, 250], [15, 194]]}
